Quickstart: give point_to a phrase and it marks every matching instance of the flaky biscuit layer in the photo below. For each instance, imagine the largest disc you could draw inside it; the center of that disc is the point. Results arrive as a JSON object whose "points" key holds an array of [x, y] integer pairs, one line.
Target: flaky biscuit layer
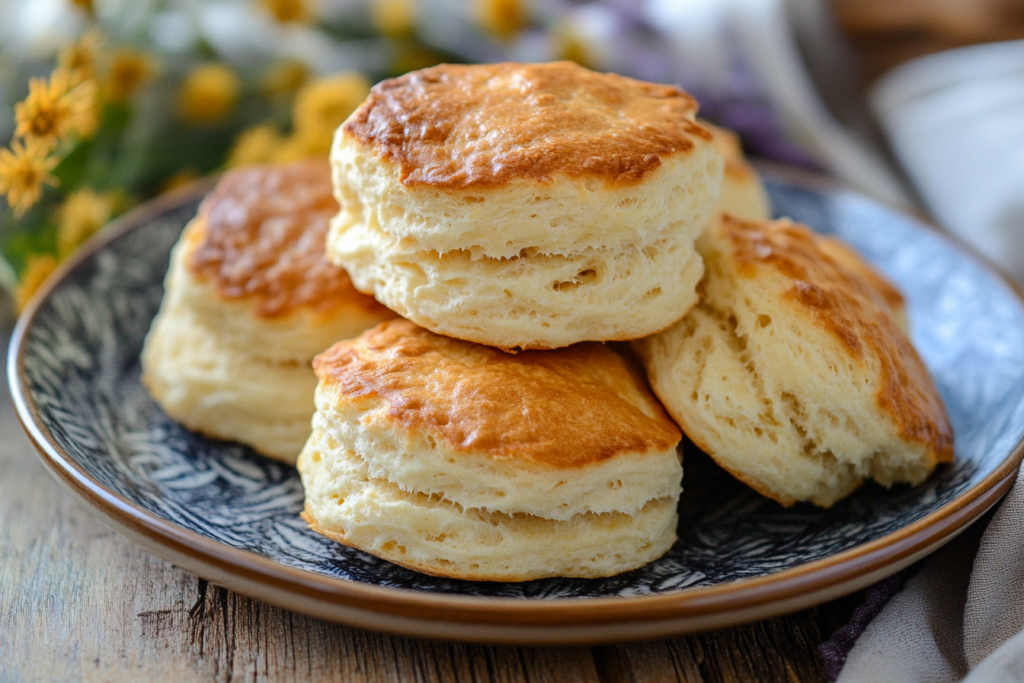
{"points": [[431, 534]]}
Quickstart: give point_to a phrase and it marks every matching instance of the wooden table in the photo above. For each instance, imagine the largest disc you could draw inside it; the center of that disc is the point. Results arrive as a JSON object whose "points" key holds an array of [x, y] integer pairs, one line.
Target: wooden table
{"points": [[80, 602]]}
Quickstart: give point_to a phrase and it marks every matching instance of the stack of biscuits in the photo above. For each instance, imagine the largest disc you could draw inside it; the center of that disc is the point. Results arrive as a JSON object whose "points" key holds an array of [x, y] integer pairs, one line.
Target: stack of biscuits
{"points": [[250, 300], [515, 216]]}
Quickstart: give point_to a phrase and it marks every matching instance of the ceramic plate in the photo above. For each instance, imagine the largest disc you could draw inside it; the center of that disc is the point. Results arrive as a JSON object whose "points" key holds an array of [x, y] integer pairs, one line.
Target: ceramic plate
{"points": [[232, 516]]}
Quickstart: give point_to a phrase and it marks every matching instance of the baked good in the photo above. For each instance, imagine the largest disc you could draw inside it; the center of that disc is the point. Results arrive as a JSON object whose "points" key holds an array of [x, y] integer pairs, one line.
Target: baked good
{"points": [[250, 299], [525, 205], [792, 373], [460, 460], [843, 254], [743, 194]]}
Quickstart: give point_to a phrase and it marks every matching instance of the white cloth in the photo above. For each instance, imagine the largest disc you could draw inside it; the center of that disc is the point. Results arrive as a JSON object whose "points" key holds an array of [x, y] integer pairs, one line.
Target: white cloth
{"points": [[956, 122]]}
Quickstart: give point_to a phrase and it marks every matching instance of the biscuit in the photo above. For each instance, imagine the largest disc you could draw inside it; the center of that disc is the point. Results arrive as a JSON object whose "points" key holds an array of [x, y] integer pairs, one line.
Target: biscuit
{"points": [[843, 254], [250, 299], [792, 373], [525, 205], [460, 460], [224, 391], [743, 194]]}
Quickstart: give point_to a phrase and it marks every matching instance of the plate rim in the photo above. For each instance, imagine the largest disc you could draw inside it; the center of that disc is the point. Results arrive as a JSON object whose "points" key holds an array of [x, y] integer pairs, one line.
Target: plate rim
{"points": [[496, 619]]}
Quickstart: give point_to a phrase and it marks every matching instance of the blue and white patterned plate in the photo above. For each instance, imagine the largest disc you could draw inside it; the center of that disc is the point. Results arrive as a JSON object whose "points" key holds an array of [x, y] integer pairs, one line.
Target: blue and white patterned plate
{"points": [[232, 516]]}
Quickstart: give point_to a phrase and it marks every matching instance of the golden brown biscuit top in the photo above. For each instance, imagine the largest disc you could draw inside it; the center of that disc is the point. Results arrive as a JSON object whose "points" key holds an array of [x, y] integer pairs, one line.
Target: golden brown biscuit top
{"points": [[844, 255], [567, 408], [262, 233], [842, 302], [455, 126], [728, 145]]}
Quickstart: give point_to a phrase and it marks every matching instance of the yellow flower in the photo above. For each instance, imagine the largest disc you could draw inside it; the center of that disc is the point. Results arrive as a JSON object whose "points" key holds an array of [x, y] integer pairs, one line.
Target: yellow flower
{"points": [[323, 105], [294, 148], [209, 93], [285, 78], [129, 69], [24, 169], [573, 48], [82, 214], [393, 18], [256, 145], [79, 58], [503, 18], [287, 11], [55, 109], [37, 269]]}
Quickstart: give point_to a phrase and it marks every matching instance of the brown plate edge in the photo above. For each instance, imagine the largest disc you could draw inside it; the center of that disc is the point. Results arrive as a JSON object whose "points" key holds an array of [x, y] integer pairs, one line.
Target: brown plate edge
{"points": [[489, 619]]}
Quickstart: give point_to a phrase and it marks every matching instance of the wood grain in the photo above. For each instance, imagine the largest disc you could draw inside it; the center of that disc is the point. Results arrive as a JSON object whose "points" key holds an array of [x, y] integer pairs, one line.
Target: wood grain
{"points": [[78, 602]]}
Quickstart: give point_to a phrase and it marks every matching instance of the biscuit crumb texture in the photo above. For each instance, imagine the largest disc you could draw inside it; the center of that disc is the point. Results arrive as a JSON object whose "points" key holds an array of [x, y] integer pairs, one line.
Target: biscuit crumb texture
{"points": [[792, 372]]}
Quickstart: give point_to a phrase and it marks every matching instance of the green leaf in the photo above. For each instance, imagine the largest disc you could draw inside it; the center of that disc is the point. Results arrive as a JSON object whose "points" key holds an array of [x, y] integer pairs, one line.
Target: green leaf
{"points": [[72, 169], [32, 234]]}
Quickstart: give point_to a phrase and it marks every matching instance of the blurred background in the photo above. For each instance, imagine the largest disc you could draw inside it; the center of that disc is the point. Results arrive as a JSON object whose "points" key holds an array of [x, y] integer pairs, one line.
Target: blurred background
{"points": [[107, 103]]}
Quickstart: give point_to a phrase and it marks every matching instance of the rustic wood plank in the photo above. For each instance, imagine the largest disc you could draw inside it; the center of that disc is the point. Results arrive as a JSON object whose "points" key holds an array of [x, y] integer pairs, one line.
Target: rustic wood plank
{"points": [[782, 649], [228, 629], [78, 602], [768, 650], [653, 662]]}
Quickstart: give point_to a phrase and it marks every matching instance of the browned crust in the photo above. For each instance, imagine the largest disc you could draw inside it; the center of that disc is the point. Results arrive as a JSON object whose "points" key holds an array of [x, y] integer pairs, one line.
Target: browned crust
{"points": [[566, 409], [843, 303], [260, 236], [460, 127], [845, 256], [728, 145]]}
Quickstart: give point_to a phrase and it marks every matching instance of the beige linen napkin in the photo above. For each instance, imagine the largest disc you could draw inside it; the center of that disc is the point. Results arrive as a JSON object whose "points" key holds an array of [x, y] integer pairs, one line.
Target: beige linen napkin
{"points": [[961, 615]]}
